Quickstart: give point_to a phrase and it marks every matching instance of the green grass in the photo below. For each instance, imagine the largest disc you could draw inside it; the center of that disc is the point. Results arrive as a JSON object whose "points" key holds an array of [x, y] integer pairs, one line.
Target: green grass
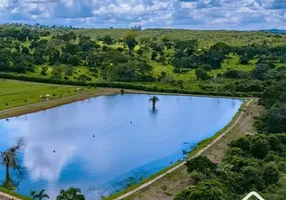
{"points": [[205, 37], [232, 62], [12, 193], [200, 146], [15, 93]]}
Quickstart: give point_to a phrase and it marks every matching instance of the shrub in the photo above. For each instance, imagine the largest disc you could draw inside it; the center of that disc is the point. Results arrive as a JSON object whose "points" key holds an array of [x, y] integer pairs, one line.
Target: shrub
{"points": [[271, 173]]}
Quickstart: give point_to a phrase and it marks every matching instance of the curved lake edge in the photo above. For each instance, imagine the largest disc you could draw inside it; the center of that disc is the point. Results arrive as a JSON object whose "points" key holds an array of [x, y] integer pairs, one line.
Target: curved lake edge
{"points": [[201, 145], [45, 105], [115, 91]]}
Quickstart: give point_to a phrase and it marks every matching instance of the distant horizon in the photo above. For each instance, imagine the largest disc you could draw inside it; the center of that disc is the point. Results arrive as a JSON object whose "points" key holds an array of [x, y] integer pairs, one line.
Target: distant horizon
{"points": [[143, 28], [241, 15]]}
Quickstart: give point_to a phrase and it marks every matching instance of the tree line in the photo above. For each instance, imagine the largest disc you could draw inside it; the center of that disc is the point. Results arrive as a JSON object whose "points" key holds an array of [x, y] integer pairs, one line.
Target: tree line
{"points": [[131, 59]]}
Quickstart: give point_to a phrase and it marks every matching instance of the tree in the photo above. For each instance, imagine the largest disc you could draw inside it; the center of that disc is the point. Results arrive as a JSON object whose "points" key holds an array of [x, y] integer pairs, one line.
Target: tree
{"points": [[44, 70], [154, 100], [244, 60], [107, 40], [260, 148], [71, 48], [10, 159], [70, 194], [25, 50], [88, 45], [41, 195], [273, 120], [57, 72], [242, 143], [130, 40], [271, 173], [252, 177], [121, 72], [202, 74], [260, 71], [4, 62], [74, 60], [144, 68], [95, 60], [205, 190], [200, 164], [21, 37]]}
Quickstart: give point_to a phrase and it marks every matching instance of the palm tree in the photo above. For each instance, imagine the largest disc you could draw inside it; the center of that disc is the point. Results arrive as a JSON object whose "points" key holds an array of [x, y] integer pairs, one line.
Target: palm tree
{"points": [[71, 194], [154, 100], [10, 160], [41, 195]]}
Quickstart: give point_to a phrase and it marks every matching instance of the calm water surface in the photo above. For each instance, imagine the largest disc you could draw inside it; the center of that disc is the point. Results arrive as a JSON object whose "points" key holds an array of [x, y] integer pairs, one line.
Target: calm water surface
{"points": [[106, 143]]}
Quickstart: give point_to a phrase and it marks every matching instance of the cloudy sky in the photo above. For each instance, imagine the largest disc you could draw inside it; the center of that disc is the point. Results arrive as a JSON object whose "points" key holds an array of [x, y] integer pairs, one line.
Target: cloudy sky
{"points": [[192, 14]]}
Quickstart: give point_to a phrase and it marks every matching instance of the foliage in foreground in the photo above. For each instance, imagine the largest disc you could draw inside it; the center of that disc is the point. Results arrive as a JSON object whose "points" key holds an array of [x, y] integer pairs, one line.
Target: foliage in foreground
{"points": [[70, 194], [12, 162], [39, 196], [252, 163]]}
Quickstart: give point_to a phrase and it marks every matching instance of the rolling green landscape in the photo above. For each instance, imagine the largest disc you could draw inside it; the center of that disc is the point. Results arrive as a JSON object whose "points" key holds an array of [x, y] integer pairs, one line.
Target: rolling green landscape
{"points": [[186, 61], [65, 62]]}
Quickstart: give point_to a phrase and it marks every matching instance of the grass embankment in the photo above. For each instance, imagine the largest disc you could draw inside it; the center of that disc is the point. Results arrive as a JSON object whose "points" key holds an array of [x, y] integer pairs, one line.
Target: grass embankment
{"points": [[199, 147], [14, 194], [17, 98], [16, 93]]}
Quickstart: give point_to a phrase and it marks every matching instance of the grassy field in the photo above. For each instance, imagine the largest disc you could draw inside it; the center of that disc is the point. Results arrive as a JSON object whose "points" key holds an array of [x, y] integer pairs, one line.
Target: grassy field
{"points": [[205, 37], [16, 93]]}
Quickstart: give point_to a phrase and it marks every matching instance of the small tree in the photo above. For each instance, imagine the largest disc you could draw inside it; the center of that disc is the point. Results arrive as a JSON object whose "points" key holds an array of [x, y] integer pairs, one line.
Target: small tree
{"points": [[40, 196], [205, 190], [271, 173], [202, 74], [70, 194], [200, 164], [260, 148], [130, 40], [10, 159], [154, 100]]}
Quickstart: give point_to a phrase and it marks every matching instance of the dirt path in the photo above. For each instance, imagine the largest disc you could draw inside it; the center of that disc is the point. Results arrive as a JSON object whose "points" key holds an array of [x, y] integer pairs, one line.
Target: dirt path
{"points": [[168, 184], [4, 196]]}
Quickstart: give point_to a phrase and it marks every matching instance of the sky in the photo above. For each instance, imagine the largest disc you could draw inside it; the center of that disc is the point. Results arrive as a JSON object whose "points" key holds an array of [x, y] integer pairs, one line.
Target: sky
{"points": [[186, 14]]}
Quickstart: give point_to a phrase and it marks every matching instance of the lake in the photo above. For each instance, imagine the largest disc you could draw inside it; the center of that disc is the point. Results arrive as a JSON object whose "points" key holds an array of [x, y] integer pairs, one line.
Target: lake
{"points": [[104, 144]]}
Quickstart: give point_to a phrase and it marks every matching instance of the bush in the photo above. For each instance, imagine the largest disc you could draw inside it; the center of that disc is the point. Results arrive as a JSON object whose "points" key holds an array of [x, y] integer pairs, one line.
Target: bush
{"points": [[260, 148], [271, 173], [205, 190], [200, 164]]}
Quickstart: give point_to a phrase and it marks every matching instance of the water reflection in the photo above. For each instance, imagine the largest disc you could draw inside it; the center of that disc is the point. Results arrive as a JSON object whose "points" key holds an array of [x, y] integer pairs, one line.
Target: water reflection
{"points": [[105, 144]]}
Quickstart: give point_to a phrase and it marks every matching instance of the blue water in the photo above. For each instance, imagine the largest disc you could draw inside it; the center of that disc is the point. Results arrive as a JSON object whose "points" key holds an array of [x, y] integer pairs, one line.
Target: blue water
{"points": [[106, 143]]}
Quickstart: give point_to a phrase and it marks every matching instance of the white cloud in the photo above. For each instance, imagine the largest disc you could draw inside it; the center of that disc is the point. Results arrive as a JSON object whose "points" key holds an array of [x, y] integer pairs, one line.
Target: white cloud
{"points": [[214, 14]]}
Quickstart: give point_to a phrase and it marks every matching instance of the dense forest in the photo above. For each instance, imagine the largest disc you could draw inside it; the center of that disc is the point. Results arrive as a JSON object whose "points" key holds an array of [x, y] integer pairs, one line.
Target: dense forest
{"points": [[229, 63]]}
